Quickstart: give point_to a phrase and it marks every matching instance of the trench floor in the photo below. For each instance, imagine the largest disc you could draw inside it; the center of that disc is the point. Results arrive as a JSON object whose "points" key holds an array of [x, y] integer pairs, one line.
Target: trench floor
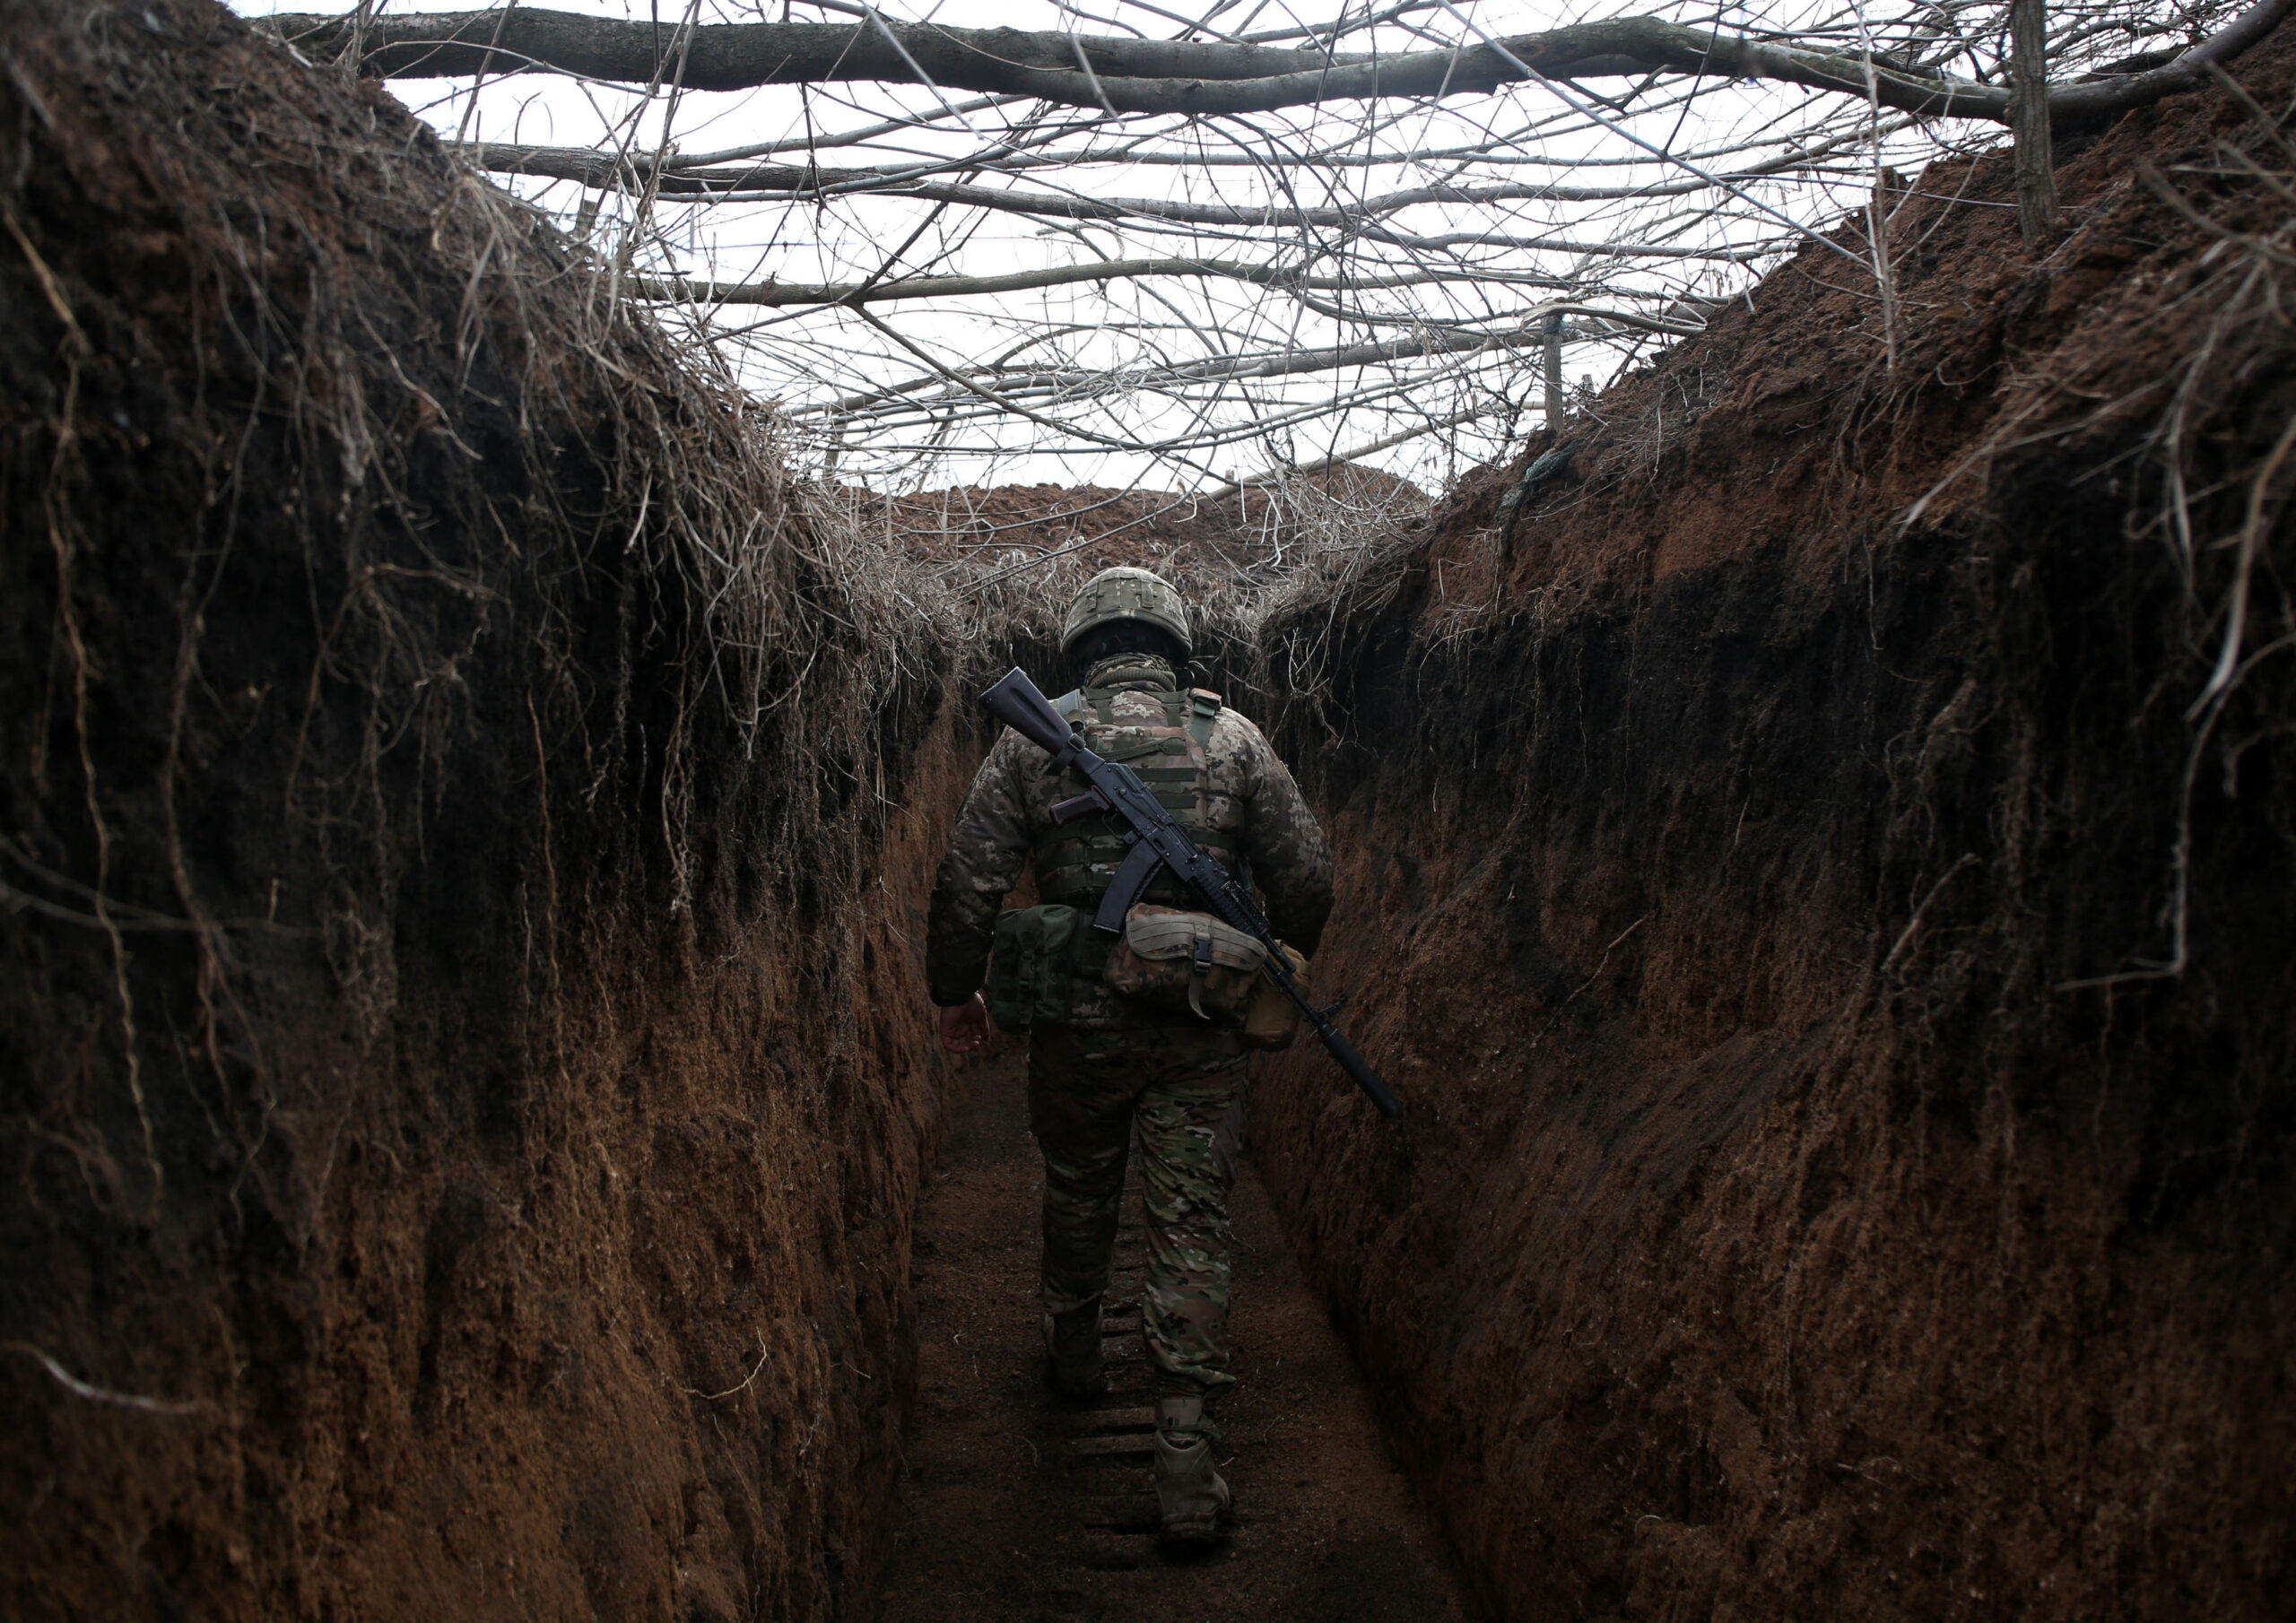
{"points": [[1019, 1507]]}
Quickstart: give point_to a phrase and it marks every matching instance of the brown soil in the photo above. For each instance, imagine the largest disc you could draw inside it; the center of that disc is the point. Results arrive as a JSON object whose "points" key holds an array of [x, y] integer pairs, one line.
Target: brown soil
{"points": [[1182, 534], [1019, 1507], [462, 1080], [1783, 1223], [1148, 528]]}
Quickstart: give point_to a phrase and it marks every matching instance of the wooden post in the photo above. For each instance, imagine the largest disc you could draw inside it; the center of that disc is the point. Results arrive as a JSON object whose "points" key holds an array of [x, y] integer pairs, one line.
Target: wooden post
{"points": [[1554, 373], [1886, 183], [2036, 163]]}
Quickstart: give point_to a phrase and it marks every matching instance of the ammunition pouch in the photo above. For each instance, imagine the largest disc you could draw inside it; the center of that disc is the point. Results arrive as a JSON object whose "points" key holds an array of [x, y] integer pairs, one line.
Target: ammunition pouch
{"points": [[1171, 959], [1037, 955], [1271, 1019]]}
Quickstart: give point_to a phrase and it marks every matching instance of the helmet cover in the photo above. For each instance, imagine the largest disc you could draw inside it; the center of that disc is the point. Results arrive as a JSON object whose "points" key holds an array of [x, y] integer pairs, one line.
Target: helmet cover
{"points": [[1127, 594]]}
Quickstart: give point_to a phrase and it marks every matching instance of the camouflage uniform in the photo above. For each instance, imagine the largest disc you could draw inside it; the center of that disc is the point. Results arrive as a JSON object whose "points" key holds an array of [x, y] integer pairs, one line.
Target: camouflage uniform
{"points": [[1179, 1078]]}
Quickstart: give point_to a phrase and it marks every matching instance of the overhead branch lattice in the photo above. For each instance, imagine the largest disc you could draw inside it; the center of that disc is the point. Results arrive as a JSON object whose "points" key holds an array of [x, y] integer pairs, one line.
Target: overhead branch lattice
{"points": [[1193, 78], [1232, 257]]}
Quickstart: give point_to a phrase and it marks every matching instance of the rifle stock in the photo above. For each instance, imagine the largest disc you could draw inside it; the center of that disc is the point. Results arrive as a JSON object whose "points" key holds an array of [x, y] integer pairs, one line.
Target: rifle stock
{"points": [[1016, 702]]}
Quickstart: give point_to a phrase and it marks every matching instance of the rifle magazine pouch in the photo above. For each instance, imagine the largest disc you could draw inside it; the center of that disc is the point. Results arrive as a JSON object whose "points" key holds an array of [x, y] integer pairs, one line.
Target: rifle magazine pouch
{"points": [[1173, 959], [1032, 966], [1271, 1020]]}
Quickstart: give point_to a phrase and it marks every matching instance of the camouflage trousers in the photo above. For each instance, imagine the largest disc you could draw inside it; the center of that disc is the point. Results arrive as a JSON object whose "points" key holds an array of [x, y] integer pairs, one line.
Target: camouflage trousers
{"points": [[1183, 1088]]}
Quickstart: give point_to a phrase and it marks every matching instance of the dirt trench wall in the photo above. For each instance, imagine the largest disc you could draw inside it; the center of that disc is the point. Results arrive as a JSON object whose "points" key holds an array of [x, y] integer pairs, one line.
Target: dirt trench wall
{"points": [[463, 1079], [1776, 1228]]}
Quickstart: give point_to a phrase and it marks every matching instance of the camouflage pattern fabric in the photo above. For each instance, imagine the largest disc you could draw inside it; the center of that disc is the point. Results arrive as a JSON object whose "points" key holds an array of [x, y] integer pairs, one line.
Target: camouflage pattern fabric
{"points": [[1249, 796], [1178, 1078], [1184, 1087]]}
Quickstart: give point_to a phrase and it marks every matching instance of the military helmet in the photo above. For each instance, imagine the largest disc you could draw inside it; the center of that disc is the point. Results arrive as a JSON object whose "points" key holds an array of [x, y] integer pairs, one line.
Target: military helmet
{"points": [[1124, 594]]}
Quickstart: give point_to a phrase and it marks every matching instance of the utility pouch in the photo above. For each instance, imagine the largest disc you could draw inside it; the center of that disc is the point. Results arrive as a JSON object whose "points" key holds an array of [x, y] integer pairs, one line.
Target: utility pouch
{"points": [[1271, 1020], [1032, 966], [1169, 958]]}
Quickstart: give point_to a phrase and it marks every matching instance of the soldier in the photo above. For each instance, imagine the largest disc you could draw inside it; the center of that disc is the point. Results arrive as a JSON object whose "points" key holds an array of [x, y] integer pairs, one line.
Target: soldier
{"points": [[1108, 1063]]}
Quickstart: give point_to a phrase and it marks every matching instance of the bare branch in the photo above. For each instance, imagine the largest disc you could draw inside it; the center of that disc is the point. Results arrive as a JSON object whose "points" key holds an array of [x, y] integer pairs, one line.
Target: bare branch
{"points": [[773, 293], [1285, 363], [1194, 78], [1341, 458], [753, 182]]}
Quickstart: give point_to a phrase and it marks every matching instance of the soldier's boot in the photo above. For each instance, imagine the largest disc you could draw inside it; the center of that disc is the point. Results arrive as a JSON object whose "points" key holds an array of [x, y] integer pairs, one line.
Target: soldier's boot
{"points": [[1190, 1495], [1072, 1351]]}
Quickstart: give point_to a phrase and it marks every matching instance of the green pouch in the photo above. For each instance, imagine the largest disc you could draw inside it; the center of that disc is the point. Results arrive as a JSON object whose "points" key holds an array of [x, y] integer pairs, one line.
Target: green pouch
{"points": [[1032, 965]]}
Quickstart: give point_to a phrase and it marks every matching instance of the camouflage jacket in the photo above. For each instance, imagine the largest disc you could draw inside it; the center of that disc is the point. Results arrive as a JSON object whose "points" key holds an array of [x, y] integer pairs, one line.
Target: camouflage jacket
{"points": [[1252, 807]]}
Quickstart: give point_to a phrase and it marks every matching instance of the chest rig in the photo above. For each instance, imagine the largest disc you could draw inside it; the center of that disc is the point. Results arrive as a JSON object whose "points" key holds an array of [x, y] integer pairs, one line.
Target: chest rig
{"points": [[1075, 863]]}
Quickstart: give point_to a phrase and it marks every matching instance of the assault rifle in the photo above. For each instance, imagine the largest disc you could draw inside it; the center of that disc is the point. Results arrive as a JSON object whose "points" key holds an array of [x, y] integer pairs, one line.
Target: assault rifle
{"points": [[1159, 842]]}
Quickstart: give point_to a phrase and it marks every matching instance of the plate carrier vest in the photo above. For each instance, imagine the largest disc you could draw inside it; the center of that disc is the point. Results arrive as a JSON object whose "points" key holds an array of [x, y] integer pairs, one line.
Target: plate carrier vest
{"points": [[1075, 863]]}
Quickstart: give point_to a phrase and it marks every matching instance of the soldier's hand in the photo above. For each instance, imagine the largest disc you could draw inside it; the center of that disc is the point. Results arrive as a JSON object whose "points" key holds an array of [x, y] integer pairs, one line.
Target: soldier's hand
{"points": [[964, 1027]]}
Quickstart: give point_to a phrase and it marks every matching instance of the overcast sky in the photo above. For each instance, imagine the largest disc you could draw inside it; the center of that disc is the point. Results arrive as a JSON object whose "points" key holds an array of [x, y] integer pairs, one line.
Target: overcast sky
{"points": [[1126, 331]]}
